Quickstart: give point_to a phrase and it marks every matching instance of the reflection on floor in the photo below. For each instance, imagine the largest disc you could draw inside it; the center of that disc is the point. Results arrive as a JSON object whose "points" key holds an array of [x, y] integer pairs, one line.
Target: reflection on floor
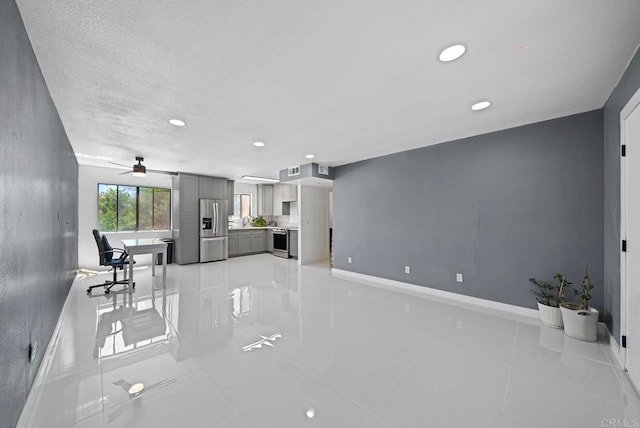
{"points": [[259, 342]]}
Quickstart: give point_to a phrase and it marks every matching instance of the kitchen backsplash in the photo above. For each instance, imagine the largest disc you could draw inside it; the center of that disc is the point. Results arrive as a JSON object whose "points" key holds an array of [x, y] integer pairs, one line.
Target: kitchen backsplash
{"points": [[281, 221]]}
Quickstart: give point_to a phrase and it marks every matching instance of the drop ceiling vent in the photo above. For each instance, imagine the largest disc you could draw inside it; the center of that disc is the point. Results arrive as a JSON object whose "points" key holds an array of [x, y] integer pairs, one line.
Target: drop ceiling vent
{"points": [[323, 169], [294, 170]]}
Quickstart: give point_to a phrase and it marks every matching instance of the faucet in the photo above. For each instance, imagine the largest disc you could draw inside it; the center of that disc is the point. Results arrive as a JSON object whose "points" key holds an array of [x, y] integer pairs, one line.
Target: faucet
{"points": [[246, 220]]}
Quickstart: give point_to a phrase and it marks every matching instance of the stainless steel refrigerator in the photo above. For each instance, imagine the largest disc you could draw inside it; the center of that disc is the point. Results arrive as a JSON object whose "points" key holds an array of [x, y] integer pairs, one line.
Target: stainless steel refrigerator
{"points": [[214, 229]]}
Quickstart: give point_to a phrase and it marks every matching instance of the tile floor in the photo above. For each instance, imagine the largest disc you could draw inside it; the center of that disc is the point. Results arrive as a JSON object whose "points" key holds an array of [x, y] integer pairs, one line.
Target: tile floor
{"points": [[259, 342]]}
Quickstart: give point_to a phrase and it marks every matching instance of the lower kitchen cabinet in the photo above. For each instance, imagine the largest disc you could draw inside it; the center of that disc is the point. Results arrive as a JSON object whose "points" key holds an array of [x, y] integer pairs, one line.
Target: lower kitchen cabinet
{"points": [[188, 245], [244, 242], [248, 241], [270, 241], [233, 243], [258, 241], [293, 243]]}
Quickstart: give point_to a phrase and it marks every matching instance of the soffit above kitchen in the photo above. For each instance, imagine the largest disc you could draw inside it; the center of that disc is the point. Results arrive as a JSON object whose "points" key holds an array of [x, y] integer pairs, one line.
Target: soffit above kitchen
{"points": [[345, 80]]}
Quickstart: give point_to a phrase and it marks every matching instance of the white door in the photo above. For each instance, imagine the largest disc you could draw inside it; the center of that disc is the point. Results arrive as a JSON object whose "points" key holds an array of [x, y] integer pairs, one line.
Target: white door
{"points": [[630, 231]]}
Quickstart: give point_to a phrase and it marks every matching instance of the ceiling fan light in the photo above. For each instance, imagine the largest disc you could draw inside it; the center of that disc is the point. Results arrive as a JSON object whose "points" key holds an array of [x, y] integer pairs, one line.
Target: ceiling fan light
{"points": [[139, 170]]}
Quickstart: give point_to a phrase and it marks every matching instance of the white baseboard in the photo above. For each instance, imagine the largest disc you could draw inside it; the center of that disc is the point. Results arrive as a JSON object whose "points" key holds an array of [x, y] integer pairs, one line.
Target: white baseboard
{"points": [[460, 298], [615, 350]]}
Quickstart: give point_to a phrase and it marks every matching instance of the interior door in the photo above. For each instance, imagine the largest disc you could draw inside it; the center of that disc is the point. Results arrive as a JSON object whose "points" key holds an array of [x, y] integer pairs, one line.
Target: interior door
{"points": [[630, 124]]}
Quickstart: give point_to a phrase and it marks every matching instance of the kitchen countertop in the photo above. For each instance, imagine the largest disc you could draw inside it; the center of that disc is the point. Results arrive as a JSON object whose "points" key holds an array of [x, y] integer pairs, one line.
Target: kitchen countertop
{"points": [[251, 228], [260, 228]]}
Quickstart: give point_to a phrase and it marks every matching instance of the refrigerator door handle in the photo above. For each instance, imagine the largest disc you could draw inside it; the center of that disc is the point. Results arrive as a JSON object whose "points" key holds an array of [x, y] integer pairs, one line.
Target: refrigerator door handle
{"points": [[215, 221]]}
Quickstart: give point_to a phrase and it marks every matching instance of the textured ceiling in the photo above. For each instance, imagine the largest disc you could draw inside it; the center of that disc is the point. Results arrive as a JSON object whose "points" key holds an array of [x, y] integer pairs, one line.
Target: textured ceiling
{"points": [[345, 80]]}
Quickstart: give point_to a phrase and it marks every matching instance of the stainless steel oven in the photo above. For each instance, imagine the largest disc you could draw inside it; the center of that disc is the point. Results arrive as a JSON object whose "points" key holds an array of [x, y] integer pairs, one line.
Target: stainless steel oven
{"points": [[281, 242]]}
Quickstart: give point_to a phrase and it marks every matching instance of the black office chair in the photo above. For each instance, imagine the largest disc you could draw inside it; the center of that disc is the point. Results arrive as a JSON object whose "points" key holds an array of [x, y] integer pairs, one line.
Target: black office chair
{"points": [[106, 253]]}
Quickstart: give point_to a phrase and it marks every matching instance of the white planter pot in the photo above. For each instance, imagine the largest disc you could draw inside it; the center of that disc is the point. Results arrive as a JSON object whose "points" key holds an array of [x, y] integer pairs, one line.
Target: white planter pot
{"points": [[550, 316], [580, 324]]}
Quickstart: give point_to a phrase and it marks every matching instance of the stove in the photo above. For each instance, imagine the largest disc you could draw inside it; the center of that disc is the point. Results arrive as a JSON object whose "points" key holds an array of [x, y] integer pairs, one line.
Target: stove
{"points": [[281, 242]]}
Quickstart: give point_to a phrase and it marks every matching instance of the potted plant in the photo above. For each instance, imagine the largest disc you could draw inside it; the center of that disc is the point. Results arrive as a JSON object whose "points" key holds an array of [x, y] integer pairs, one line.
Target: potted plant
{"points": [[549, 298], [581, 320], [258, 221]]}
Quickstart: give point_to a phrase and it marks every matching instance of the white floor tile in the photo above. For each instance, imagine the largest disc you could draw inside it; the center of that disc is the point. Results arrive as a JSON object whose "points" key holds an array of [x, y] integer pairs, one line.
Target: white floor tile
{"points": [[372, 422], [65, 401], [188, 401], [556, 340], [588, 376], [550, 403], [259, 341]]}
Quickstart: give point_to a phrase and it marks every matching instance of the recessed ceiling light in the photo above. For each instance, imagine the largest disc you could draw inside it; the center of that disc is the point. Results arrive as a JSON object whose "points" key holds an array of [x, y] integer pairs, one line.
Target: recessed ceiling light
{"points": [[177, 122], [258, 144], [310, 156], [254, 178], [481, 105], [311, 413], [452, 53]]}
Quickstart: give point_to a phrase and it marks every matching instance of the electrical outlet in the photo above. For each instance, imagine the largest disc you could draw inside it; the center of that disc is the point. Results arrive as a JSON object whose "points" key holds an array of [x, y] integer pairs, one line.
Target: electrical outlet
{"points": [[459, 277], [407, 269], [33, 351], [349, 260]]}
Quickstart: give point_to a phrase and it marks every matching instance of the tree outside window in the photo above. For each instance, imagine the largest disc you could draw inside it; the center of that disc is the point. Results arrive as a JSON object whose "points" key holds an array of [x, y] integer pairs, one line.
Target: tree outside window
{"points": [[132, 208]]}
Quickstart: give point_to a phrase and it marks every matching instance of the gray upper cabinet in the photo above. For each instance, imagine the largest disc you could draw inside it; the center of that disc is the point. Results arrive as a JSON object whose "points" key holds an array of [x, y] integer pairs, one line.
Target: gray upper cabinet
{"points": [[230, 190], [219, 188], [188, 185], [289, 192], [277, 199], [205, 187], [212, 188], [283, 193], [265, 199]]}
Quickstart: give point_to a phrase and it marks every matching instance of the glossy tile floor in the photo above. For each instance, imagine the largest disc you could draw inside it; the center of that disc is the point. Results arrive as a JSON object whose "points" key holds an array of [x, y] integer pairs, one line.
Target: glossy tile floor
{"points": [[259, 342]]}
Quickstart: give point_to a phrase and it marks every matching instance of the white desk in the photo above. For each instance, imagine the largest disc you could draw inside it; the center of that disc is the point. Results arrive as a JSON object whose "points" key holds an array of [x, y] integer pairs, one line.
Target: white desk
{"points": [[146, 246]]}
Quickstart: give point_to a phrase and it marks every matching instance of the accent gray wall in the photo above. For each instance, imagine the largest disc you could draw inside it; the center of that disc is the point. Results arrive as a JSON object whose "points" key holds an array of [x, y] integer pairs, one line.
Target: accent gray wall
{"points": [[498, 208], [627, 86], [38, 224]]}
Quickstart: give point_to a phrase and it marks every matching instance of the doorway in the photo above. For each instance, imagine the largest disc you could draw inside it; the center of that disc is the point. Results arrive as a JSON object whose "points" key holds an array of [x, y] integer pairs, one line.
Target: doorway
{"points": [[630, 232]]}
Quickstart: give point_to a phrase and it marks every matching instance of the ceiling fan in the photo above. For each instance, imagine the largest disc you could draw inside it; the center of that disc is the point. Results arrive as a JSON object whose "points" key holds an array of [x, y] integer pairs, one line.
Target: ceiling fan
{"points": [[140, 170]]}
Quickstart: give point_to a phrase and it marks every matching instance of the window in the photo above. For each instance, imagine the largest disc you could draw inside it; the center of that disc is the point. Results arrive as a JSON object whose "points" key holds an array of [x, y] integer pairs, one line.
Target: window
{"points": [[132, 208], [241, 205]]}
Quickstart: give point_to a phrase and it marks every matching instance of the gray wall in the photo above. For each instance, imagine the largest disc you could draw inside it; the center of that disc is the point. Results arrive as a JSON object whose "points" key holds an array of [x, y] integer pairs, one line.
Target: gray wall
{"points": [[38, 224], [628, 85], [498, 208]]}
